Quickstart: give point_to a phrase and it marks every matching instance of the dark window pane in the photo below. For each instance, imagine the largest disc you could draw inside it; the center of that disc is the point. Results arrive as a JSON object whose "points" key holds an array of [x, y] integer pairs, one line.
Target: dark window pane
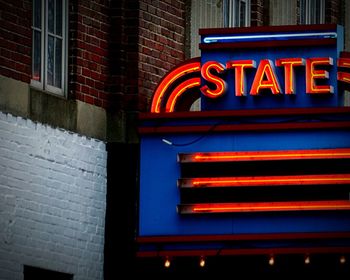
{"points": [[316, 12], [242, 14], [51, 16], [50, 60], [302, 12], [37, 13], [235, 10], [59, 17], [36, 75], [58, 63]]}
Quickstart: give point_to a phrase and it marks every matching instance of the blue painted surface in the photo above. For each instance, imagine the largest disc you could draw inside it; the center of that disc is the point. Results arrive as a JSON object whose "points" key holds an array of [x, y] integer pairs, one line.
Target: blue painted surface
{"points": [[159, 170], [159, 194], [266, 99]]}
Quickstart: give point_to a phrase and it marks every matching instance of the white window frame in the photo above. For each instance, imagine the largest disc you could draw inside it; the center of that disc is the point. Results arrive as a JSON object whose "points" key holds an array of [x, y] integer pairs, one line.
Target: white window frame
{"points": [[231, 12], [43, 83], [307, 9]]}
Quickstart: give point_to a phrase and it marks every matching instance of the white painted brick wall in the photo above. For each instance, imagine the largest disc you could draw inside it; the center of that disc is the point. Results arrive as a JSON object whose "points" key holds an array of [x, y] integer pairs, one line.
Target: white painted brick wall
{"points": [[52, 200]]}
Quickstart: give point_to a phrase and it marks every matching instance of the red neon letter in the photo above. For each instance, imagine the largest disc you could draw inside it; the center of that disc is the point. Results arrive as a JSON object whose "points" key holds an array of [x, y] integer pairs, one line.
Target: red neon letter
{"points": [[265, 69], [220, 85], [240, 81], [288, 64], [344, 76], [312, 74]]}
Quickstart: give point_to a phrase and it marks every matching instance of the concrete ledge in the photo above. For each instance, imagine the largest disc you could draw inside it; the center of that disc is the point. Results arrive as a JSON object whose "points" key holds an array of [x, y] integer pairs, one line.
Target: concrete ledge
{"points": [[52, 110], [91, 120], [20, 99], [14, 96]]}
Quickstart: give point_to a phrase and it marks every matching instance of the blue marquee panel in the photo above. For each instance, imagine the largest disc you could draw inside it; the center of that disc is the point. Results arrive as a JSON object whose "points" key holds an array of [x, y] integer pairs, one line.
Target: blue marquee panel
{"points": [[159, 194]]}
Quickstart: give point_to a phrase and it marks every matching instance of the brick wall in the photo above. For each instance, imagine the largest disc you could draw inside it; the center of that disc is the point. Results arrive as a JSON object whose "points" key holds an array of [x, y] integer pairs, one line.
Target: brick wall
{"points": [[15, 39], [52, 200], [123, 54], [118, 50], [333, 11], [103, 64], [161, 43], [259, 12], [88, 63], [89, 34]]}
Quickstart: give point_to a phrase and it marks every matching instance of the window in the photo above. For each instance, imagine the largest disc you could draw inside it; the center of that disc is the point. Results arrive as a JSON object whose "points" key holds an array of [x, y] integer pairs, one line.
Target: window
{"points": [[236, 13], [312, 11], [215, 14], [49, 45]]}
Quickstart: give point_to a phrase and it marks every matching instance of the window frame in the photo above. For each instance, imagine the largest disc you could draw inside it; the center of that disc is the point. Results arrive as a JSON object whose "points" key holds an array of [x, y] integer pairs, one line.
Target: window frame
{"points": [[43, 83], [231, 11], [308, 12]]}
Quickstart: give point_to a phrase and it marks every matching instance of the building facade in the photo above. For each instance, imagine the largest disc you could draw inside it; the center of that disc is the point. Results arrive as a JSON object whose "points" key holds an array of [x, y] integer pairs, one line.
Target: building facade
{"points": [[73, 77]]}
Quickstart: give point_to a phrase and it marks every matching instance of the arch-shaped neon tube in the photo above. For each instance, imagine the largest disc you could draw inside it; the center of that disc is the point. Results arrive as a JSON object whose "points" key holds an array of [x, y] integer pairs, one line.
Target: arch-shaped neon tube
{"points": [[171, 77], [178, 91]]}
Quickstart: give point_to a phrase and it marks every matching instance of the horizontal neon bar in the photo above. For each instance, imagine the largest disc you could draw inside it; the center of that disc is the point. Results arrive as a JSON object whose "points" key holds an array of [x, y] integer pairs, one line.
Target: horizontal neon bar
{"points": [[265, 155], [329, 179], [268, 37], [204, 208]]}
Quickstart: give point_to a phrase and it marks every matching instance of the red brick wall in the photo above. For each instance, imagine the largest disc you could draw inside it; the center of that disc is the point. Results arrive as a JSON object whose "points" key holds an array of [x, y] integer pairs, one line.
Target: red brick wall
{"points": [[124, 54], [118, 50], [258, 12], [333, 11], [122, 49], [15, 39], [88, 45], [161, 43]]}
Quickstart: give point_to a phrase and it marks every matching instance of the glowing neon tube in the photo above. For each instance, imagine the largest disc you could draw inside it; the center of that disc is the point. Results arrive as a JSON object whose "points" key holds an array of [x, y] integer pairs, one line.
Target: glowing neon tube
{"points": [[265, 155], [268, 37], [205, 208], [295, 180]]}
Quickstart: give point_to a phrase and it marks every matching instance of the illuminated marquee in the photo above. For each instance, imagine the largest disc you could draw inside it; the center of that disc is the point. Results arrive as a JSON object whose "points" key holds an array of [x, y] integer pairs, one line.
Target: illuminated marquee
{"points": [[268, 152], [229, 65]]}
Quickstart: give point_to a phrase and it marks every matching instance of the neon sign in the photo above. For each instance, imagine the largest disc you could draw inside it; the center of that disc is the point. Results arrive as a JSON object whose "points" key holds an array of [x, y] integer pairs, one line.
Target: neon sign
{"points": [[268, 154], [241, 71], [316, 79], [266, 78], [178, 73]]}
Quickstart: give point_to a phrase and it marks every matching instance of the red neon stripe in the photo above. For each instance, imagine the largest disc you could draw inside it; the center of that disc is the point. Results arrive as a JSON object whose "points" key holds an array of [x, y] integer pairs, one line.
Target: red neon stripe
{"points": [[343, 62], [301, 180], [178, 91], [177, 73], [204, 208], [265, 155], [343, 77]]}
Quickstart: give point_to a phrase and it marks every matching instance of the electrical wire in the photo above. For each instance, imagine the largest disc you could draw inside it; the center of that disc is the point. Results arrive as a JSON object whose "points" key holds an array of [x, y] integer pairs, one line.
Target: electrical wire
{"points": [[212, 128]]}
